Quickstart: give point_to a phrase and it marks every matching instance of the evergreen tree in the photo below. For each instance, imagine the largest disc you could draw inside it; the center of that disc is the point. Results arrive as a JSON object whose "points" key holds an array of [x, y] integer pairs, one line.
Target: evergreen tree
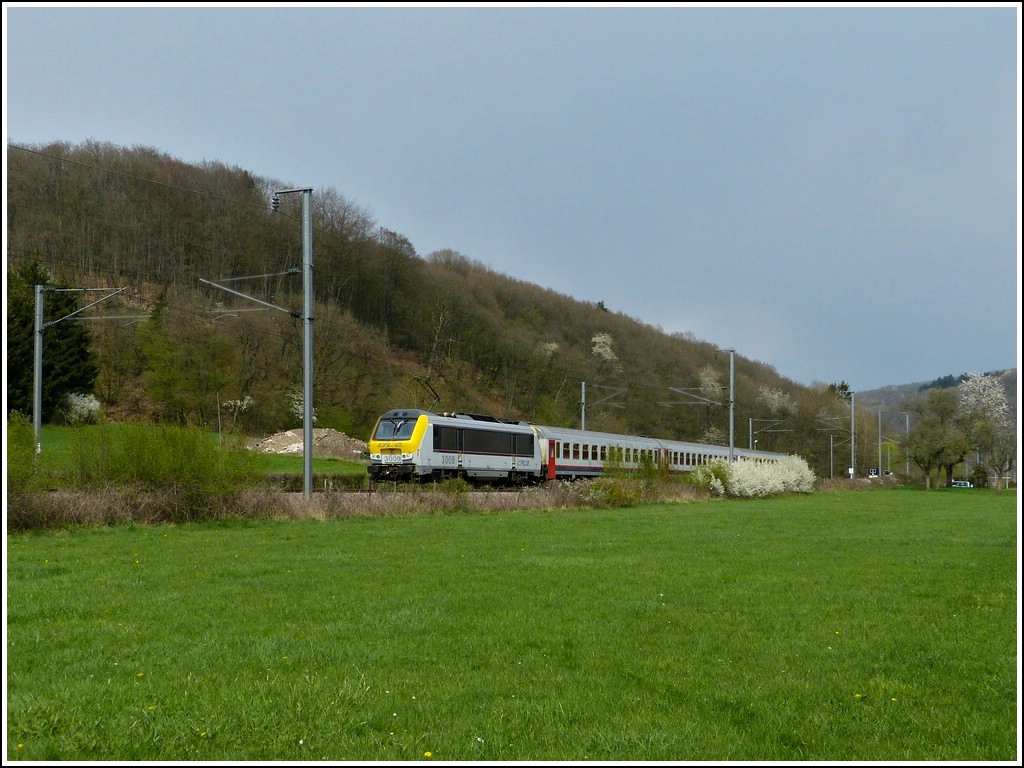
{"points": [[69, 363]]}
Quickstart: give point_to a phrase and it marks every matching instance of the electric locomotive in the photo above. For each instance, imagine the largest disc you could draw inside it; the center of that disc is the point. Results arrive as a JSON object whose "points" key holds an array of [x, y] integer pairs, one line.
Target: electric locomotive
{"points": [[412, 444]]}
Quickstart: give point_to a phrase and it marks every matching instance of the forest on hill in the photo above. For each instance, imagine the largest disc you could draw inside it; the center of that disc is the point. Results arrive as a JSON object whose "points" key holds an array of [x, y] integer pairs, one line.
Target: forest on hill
{"points": [[392, 328]]}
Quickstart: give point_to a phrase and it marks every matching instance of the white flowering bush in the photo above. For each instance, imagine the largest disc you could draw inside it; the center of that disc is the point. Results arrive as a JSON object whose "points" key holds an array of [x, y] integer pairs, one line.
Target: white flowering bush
{"points": [[709, 380], [779, 403], [242, 405], [76, 409], [751, 479], [547, 349], [712, 477], [297, 404], [602, 347]]}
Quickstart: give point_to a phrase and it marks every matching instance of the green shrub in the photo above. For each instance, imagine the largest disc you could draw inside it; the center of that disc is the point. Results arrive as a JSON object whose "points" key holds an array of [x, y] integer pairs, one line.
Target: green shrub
{"points": [[456, 486], [162, 457], [22, 466]]}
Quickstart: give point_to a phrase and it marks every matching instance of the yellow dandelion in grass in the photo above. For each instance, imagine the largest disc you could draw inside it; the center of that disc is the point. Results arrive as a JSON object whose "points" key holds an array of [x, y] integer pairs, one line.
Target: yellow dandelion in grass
{"points": [[858, 695], [428, 754]]}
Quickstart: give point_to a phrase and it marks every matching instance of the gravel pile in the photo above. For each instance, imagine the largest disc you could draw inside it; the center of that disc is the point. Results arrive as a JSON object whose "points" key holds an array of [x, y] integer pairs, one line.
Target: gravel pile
{"points": [[326, 442]]}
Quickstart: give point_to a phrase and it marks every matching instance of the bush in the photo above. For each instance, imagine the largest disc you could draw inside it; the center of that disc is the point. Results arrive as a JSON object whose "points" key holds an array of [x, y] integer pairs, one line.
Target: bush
{"points": [[604, 492], [751, 479], [22, 466], [76, 409], [162, 457], [711, 478]]}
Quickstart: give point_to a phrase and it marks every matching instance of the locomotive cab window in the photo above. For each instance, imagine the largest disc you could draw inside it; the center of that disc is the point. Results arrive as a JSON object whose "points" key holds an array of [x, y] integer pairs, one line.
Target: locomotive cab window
{"points": [[395, 429]]}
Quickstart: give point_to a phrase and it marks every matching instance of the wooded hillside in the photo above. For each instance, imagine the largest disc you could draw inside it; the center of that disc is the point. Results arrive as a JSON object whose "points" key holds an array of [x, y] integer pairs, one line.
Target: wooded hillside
{"points": [[392, 327]]}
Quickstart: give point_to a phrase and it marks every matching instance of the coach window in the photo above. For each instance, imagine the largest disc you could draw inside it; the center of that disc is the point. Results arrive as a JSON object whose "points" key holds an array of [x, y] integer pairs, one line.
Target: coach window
{"points": [[604, 453], [446, 439], [576, 450], [586, 452]]}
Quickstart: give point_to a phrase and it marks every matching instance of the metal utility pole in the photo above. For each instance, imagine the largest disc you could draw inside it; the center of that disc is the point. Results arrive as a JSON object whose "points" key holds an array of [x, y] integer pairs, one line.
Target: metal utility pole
{"points": [[37, 362], [732, 402], [906, 445], [583, 405], [307, 343], [880, 412], [307, 326], [853, 442]]}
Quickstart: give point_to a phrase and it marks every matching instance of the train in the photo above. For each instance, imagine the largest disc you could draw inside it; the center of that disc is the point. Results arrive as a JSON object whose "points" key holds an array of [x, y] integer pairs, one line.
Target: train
{"points": [[410, 445]]}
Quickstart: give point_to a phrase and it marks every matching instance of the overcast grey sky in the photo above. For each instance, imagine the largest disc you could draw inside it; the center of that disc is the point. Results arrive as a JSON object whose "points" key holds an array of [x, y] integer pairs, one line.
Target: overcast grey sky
{"points": [[832, 191]]}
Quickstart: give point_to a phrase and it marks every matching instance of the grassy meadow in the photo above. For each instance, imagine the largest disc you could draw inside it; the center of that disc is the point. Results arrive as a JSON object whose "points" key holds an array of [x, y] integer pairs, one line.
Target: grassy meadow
{"points": [[867, 626]]}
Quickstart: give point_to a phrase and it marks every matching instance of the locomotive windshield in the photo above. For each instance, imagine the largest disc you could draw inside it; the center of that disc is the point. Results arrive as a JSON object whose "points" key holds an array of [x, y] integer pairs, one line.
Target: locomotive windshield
{"points": [[394, 429]]}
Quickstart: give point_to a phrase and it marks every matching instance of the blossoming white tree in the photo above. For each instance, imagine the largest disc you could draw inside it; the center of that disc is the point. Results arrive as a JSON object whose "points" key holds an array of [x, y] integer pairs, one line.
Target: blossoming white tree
{"points": [[779, 403], [602, 347], [986, 415]]}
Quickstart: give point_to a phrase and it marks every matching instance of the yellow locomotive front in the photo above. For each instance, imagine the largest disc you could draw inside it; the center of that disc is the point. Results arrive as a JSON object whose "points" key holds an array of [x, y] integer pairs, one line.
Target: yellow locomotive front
{"points": [[396, 443]]}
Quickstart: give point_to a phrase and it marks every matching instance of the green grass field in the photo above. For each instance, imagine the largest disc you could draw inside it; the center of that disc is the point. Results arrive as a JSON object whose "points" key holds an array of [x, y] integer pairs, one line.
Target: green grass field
{"points": [[867, 626]]}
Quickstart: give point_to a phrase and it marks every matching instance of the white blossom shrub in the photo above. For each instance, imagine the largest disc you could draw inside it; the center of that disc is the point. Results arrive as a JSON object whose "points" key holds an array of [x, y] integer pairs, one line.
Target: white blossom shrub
{"points": [[709, 381], [76, 409], [297, 404], [547, 349], [711, 477], [751, 479], [714, 436], [602, 347], [239, 406], [779, 403]]}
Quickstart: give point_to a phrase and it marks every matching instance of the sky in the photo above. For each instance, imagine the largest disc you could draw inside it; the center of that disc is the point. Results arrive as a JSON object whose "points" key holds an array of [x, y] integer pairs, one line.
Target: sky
{"points": [[833, 191]]}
